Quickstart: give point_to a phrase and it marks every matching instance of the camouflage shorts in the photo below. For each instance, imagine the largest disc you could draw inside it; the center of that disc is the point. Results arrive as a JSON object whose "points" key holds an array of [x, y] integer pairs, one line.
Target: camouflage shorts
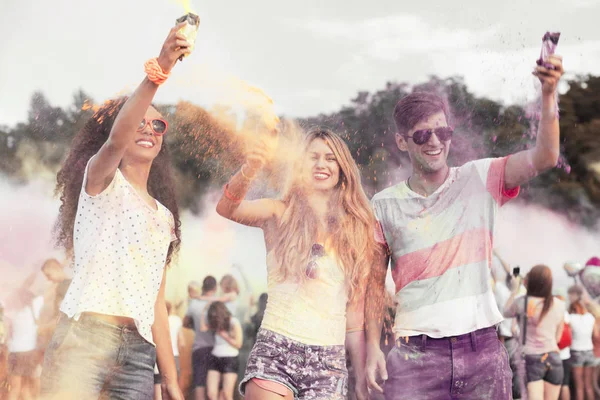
{"points": [[310, 372]]}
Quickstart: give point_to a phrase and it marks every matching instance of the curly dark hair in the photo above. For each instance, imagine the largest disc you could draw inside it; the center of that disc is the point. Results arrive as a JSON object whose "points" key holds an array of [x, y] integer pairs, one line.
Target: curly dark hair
{"points": [[88, 142], [219, 317]]}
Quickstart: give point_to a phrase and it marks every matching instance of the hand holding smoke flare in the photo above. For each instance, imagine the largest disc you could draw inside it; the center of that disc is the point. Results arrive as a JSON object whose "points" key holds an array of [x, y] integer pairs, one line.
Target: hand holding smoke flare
{"points": [[190, 30], [549, 69], [549, 43]]}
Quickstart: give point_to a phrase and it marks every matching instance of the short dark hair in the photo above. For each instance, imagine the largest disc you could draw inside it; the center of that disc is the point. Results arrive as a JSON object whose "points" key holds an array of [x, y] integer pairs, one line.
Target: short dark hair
{"points": [[416, 107], [209, 283]]}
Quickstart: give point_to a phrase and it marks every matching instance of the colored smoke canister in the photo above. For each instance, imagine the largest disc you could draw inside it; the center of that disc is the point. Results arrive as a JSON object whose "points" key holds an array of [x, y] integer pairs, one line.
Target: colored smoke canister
{"points": [[549, 43], [190, 30]]}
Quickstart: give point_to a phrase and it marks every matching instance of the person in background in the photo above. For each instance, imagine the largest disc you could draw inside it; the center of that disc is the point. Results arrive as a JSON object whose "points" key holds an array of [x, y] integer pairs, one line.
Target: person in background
{"points": [[22, 344], [178, 342], [508, 328], [203, 341], [224, 361], [59, 281], [256, 319], [582, 349], [545, 318], [230, 292], [3, 354], [565, 356]]}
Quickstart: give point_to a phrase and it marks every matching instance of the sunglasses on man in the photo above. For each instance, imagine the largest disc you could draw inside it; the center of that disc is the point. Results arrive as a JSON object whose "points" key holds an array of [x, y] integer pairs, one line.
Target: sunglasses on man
{"points": [[422, 136], [158, 126]]}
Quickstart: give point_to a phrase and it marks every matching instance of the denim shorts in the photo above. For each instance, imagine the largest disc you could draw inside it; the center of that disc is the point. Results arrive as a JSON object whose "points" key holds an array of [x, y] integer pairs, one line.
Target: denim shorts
{"points": [[310, 372], [91, 359], [583, 358], [547, 367]]}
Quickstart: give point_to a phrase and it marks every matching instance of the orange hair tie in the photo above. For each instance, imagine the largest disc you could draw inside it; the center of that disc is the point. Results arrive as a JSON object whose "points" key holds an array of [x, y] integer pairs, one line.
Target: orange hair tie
{"points": [[155, 72], [231, 197]]}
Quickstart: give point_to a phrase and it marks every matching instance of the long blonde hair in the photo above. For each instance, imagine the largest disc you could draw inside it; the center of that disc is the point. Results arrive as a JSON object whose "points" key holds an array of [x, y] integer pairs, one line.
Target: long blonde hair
{"points": [[350, 223]]}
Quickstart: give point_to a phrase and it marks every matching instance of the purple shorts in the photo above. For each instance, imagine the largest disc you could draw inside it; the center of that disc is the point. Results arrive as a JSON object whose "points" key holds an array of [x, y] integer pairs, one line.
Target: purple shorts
{"points": [[310, 372], [471, 366]]}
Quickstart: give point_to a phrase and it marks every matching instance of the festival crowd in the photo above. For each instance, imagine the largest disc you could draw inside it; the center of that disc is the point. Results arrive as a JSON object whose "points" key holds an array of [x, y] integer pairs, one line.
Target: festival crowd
{"points": [[327, 328]]}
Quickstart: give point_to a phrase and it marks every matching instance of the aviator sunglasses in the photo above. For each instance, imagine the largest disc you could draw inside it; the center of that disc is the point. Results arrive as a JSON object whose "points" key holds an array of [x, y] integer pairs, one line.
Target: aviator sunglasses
{"points": [[158, 126], [422, 136]]}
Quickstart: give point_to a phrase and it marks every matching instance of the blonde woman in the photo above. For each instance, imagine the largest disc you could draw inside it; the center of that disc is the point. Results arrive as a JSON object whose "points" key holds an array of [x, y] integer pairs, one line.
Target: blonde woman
{"points": [[319, 245]]}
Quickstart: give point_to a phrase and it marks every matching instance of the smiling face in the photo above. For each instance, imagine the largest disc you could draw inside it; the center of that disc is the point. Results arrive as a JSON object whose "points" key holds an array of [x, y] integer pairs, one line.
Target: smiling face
{"points": [[320, 167], [432, 156], [146, 144]]}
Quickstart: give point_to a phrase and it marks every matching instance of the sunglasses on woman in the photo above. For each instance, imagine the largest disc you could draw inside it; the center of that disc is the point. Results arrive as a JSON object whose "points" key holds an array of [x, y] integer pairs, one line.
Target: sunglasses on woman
{"points": [[312, 269], [422, 136], [158, 126]]}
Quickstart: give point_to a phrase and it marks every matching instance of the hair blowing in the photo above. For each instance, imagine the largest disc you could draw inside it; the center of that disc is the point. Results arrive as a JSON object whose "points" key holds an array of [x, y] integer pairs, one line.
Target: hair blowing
{"points": [[350, 222], [88, 142], [539, 284], [416, 107]]}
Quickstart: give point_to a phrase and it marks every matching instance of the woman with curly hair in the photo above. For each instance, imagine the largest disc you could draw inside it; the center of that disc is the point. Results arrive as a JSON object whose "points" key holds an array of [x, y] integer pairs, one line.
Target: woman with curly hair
{"points": [[119, 220], [320, 244]]}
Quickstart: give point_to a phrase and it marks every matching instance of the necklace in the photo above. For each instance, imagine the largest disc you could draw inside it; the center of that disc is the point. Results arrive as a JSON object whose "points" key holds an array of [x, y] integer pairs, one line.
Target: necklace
{"points": [[408, 181]]}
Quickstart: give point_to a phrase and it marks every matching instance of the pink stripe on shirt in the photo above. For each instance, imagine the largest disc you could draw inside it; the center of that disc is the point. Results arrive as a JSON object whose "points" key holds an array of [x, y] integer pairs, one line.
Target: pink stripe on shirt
{"points": [[462, 249]]}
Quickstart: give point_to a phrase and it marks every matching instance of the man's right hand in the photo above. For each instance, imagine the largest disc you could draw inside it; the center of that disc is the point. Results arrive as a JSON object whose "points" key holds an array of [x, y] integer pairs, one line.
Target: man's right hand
{"points": [[375, 367]]}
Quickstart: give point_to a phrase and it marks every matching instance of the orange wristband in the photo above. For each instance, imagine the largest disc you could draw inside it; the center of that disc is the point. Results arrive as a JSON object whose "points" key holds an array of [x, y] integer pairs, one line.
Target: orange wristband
{"points": [[155, 72], [230, 196]]}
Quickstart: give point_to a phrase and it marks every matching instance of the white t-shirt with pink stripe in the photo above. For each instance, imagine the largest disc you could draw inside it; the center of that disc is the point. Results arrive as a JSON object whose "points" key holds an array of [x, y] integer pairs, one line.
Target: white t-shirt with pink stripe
{"points": [[441, 250]]}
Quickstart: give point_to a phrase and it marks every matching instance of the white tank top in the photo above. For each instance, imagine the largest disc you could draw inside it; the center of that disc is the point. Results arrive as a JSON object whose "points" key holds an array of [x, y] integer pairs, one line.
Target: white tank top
{"points": [[120, 248], [313, 313], [222, 348]]}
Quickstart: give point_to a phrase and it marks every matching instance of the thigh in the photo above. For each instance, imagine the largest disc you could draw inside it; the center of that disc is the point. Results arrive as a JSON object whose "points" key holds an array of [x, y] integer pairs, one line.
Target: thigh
{"points": [[255, 392], [133, 377], [213, 379], [419, 373], [76, 362], [229, 381], [535, 390], [551, 392]]}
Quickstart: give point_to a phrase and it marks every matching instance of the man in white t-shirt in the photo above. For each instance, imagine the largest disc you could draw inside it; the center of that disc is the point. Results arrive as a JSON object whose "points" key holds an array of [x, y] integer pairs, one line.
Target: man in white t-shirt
{"points": [[437, 230]]}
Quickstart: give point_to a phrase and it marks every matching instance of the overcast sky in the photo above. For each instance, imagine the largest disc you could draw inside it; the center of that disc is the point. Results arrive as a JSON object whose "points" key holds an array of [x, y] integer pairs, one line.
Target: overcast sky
{"points": [[310, 56]]}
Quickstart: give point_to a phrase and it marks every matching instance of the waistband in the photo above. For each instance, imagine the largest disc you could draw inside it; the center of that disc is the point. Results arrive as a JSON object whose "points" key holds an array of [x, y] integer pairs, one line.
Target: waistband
{"points": [[471, 339], [270, 336]]}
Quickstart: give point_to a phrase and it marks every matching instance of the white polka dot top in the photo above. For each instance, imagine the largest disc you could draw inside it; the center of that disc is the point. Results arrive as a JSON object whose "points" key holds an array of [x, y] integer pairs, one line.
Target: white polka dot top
{"points": [[120, 248]]}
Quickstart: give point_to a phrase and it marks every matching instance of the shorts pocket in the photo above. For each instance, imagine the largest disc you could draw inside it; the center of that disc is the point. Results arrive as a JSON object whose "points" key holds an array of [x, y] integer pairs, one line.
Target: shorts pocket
{"points": [[263, 349], [334, 360]]}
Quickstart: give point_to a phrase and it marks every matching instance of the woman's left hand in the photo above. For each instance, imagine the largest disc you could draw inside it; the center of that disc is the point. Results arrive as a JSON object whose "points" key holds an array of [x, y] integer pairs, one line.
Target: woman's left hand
{"points": [[171, 391]]}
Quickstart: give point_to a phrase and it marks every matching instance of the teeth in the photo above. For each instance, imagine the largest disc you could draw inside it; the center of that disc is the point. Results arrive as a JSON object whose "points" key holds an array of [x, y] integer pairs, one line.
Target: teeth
{"points": [[321, 176], [433, 153], [145, 143]]}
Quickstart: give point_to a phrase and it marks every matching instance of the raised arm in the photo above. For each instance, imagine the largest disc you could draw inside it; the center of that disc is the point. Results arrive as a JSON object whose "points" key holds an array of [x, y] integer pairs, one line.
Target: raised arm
{"points": [[104, 165], [523, 166], [374, 313], [232, 204]]}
